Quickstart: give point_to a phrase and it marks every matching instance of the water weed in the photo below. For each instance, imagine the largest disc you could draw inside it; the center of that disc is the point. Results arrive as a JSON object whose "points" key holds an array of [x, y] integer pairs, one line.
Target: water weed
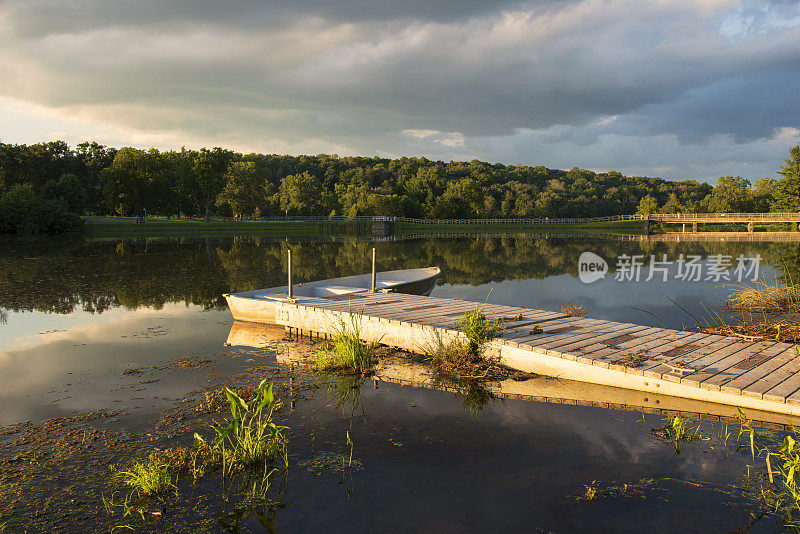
{"points": [[478, 328], [148, 478], [348, 351], [680, 431], [595, 490], [250, 436]]}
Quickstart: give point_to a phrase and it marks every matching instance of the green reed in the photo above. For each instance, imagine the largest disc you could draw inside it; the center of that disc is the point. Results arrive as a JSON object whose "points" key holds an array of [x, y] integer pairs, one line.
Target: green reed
{"points": [[348, 351]]}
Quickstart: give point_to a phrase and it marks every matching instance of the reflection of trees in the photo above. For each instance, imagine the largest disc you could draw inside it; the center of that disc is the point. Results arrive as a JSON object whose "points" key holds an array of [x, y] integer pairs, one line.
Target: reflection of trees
{"points": [[61, 275]]}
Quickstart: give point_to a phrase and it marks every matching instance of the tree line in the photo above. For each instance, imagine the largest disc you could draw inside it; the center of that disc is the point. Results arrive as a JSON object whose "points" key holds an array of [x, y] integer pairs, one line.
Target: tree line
{"points": [[48, 184]]}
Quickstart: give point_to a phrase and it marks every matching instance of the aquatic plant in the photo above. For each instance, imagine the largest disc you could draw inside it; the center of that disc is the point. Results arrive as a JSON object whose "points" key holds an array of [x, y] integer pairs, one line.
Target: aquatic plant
{"points": [[591, 492], [765, 297], [478, 328], [347, 350], [148, 478], [596, 490], [329, 461], [680, 431], [250, 436], [573, 309]]}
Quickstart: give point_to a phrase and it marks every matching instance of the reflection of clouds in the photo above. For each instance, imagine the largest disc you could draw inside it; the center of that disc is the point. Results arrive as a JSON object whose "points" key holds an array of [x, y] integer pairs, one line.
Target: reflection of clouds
{"points": [[90, 357], [603, 435], [33, 329]]}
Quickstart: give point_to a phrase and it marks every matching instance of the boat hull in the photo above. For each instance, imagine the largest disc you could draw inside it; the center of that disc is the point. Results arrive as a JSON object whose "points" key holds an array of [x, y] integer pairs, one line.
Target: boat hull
{"points": [[259, 307]]}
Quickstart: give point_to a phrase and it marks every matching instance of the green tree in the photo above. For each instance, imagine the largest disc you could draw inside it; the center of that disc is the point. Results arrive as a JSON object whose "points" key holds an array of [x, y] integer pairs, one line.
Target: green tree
{"points": [[788, 194], [208, 176], [70, 189], [672, 205], [302, 194], [763, 195], [23, 213], [731, 195], [647, 205], [243, 188], [135, 182]]}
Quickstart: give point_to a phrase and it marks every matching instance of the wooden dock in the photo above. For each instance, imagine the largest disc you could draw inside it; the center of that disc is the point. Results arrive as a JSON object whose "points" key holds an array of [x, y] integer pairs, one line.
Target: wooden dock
{"points": [[756, 375]]}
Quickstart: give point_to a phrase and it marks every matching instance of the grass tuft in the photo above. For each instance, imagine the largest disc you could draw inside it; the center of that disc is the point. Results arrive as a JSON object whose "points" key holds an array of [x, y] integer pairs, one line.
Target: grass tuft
{"points": [[348, 351], [680, 431], [765, 298], [148, 478], [478, 328]]}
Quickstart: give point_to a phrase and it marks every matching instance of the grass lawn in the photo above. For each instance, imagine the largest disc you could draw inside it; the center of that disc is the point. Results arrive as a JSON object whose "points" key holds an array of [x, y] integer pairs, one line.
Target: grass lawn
{"points": [[98, 226]]}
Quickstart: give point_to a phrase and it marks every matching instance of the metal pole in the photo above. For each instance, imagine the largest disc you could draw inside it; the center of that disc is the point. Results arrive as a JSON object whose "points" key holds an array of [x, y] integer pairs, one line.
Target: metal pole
{"points": [[291, 292], [373, 270]]}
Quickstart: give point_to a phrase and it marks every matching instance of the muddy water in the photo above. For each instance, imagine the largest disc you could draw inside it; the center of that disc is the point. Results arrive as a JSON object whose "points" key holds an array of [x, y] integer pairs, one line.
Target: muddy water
{"points": [[138, 326]]}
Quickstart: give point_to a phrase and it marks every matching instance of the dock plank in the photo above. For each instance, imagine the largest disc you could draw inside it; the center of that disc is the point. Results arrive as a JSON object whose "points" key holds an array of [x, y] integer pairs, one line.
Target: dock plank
{"points": [[764, 371], [733, 367], [755, 382]]}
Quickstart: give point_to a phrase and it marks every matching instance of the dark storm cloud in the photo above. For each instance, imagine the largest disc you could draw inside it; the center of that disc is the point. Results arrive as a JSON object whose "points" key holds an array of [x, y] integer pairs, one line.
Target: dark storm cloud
{"points": [[499, 80]]}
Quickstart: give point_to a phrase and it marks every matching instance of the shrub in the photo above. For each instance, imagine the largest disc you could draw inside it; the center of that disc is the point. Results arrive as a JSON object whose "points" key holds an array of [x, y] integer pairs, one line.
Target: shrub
{"points": [[478, 328]]}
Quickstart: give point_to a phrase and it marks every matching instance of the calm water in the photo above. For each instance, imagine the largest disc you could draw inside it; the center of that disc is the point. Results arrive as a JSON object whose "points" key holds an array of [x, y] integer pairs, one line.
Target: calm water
{"points": [[75, 314]]}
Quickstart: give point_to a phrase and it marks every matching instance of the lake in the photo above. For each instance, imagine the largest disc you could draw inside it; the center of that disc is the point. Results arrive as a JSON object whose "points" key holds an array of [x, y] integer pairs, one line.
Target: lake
{"points": [[134, 328]]}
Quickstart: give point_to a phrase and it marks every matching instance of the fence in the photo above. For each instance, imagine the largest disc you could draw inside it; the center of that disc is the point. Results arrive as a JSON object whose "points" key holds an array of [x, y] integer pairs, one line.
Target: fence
{"points": [[656, 217]]}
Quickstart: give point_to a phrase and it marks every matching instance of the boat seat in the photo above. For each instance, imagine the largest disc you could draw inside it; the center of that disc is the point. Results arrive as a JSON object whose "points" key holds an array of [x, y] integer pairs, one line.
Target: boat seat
{"points": [[389, 283], [328, 291]]}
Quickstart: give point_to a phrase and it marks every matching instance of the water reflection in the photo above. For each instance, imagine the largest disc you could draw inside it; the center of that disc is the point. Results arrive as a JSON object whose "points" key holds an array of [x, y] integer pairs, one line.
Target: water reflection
{"points": [[64, 276], [346, 390]]}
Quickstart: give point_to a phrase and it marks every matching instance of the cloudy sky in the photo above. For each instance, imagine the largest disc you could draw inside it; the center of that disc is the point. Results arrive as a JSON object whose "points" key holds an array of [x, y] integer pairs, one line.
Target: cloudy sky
{"points": [[678, 89]]}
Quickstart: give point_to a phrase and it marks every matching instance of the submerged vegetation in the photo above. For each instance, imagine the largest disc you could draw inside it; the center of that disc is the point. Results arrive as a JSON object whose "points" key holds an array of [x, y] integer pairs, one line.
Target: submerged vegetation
{"points": [[148, 478]]}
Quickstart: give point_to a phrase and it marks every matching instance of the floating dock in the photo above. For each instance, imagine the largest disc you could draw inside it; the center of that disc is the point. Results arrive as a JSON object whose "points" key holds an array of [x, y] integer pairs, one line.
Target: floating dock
{"points": [[759, 375]]}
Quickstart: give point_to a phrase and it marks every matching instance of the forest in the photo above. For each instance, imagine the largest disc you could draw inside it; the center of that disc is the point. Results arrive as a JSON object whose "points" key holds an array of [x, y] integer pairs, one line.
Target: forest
{"points": [[45, 187]]}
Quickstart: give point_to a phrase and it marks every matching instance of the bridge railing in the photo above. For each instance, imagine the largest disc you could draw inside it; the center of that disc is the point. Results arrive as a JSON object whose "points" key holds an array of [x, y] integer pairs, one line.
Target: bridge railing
{"points": [[773, 216]]}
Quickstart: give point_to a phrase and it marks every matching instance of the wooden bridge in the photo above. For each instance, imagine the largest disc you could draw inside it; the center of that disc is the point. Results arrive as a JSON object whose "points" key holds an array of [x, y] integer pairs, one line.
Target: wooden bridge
{"points": [[760, 375], [722, 218]]}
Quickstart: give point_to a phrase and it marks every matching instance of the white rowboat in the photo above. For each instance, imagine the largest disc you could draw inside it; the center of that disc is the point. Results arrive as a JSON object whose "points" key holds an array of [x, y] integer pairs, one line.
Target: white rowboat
{"points": [[258, 306]]}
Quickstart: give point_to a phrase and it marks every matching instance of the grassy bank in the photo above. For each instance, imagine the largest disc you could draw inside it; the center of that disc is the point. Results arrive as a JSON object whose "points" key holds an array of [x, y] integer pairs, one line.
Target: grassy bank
{"points": [[122, 227], [126, 227], [608, 227]]}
